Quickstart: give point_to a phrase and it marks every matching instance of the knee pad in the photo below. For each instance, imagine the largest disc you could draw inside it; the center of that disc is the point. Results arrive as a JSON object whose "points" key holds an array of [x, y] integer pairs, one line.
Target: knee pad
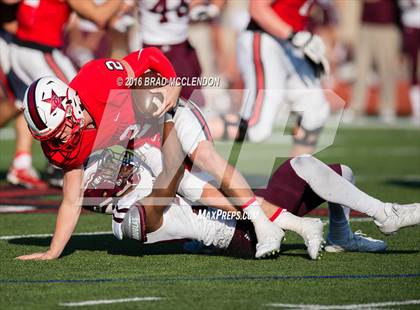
{"points": [[134, 223], [347, 173], [316, 113], [306, 167]]}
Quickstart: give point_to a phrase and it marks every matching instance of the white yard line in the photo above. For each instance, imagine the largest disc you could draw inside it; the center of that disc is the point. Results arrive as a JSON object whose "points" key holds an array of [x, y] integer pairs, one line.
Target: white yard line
{"points": [[16, 209], [50, 235], [345, 307], [107, 301]]}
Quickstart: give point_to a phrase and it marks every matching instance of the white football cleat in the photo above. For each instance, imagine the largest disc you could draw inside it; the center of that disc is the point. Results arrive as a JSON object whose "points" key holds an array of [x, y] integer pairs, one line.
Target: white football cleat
{"points": [[269, 241], [399, 216], [313, 234]]}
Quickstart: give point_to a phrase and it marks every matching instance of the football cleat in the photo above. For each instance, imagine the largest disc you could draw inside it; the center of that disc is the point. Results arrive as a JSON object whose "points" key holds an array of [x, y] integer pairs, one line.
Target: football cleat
{"points": [[399, 216], [313, 232], [357, 242], [269, 242], [25, 177]]}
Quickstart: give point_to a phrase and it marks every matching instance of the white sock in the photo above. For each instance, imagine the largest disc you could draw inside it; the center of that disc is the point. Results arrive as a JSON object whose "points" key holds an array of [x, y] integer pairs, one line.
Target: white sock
{"points": [[253, 210], [288, 221], [333, 188], [22, 160]]}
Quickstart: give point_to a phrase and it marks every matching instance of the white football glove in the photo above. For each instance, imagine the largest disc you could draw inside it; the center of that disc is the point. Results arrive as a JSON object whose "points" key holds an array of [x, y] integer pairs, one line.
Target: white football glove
{"points": [[123, 23], [314, 49], [202, 12]]}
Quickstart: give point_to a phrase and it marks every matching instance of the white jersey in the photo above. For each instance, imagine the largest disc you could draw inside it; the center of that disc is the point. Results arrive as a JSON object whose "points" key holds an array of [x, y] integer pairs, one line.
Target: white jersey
{"points": [[163, 22], [180, 222], [410, 13]]}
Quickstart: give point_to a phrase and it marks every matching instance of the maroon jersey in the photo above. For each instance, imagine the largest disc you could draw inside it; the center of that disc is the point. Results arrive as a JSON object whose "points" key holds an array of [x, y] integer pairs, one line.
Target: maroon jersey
{"points": [[42, 21], [101, 87]]}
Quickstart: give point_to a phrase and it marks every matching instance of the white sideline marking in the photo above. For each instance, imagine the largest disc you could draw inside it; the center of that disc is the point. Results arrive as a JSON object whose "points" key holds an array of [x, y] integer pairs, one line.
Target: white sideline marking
{"points": [[50, 235], [107, 301], [352, 219], [346, 307], [15, 209]]}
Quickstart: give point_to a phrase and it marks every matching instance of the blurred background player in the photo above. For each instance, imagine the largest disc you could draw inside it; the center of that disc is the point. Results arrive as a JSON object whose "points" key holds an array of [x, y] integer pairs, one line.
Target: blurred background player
{"points": [[35, 52], [164, 24], [380, 23], [275, 55], [410, 20], [8, 27]]}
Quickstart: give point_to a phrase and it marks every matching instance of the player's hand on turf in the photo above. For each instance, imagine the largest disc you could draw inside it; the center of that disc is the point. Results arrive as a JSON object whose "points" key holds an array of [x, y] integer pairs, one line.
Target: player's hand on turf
{"points": [[170, 94], [38, 256]]}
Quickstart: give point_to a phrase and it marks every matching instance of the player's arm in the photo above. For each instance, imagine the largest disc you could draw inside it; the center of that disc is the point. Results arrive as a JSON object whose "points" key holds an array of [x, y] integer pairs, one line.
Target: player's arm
{"points": [[99, 14], [152, 58], [167, 182], [268, 20], [67, 217]]}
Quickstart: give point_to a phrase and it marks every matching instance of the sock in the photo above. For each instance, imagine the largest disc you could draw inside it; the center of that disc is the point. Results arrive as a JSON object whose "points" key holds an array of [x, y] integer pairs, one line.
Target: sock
{"points": [[253, 210], [339, 228], [288, 221], [333, 188], [22, 160]]}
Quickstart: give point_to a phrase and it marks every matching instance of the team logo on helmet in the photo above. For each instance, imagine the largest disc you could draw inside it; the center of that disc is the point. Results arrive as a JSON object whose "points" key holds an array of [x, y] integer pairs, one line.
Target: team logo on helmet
{"points": [[50, 108]]}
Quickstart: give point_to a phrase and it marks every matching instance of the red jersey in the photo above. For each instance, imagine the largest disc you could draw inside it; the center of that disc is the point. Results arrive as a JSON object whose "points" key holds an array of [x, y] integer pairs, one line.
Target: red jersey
{"points": [[101, 87], [42, 21], [293, 12]]}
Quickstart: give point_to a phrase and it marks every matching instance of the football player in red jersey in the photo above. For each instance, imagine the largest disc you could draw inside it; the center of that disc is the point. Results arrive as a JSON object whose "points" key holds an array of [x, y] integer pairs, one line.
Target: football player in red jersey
{"points": [[280, 63], [69, 125], [34, 53]]}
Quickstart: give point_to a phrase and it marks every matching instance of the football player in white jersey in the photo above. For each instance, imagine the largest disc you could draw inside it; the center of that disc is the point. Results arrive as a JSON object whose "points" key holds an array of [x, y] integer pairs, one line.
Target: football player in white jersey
{"points": [[164, 24], [213, 228]]}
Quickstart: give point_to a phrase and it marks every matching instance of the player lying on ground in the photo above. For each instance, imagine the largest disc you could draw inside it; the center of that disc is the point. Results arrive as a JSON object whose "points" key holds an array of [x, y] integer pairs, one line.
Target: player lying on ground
{"points": [[299, 185], [68, 122]]}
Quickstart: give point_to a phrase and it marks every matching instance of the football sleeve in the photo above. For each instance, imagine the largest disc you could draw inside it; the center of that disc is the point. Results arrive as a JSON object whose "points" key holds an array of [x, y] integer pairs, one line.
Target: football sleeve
{"points": [[150, 58]]}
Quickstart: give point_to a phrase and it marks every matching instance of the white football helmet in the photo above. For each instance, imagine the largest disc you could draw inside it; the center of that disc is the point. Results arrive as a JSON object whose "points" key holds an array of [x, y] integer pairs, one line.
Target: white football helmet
{"points": [[50, 106]]}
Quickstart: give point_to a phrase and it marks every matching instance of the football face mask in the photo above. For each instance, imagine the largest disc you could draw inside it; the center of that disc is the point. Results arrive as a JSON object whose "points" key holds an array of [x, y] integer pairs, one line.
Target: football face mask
{"points": [[54, 113]]}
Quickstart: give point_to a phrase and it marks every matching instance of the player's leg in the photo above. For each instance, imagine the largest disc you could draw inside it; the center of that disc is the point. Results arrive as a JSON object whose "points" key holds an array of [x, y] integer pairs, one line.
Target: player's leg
{"points": [[8, 109], [389, 217], [286, 190], [307, 99], [340, 235], [290, 191], [264, 70], [196, 141]]}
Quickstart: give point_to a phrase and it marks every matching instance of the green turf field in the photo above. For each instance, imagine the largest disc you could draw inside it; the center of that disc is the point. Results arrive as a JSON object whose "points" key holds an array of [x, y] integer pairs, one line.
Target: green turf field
{"points": [[98, 267]]}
